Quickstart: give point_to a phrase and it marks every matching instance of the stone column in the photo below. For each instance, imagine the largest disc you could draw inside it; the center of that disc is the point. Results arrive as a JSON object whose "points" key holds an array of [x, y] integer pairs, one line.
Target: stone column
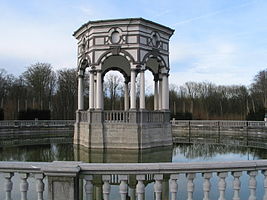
{"points": [[102, 94], [165, 92], [99, 90], [156, 95], [80, 90], [142, 89], [91, 90], [133, 90], [94, 92], [160, 95], [126, 96]]}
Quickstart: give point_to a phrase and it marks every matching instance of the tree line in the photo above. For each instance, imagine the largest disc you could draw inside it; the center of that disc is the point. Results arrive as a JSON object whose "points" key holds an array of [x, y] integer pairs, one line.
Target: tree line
{"points": [[41, 91]]}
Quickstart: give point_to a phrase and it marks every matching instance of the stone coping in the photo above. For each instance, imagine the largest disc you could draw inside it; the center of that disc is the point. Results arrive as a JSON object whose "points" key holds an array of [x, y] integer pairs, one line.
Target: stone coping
{"points": [[72, 168]]}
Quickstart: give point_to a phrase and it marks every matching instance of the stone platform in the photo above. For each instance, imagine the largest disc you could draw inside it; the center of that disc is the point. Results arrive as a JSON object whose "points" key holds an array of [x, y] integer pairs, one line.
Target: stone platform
{"points": [[122, 129]]}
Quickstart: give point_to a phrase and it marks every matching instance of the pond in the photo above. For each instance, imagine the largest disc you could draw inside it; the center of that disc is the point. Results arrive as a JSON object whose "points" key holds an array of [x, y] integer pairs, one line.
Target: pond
{"points": [[197, 152], [178, 153]]}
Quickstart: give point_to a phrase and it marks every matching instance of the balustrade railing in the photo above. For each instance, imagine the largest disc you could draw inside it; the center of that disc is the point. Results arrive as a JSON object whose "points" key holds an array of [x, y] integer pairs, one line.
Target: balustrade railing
{"points": [[220, 123], [116, 116], [224, 176], [154, 116], [134, 116], [35, 123]]}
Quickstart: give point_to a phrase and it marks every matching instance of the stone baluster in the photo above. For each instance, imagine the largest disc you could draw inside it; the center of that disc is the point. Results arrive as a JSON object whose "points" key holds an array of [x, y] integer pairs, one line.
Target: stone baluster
{"points": [[206, 185], [40, 186], [123, 186], [236, 185], [173, 186], [222, 185], [158, 186], [8, 184], [88, 187], [140, 187], [106, 186], [252, 184], [265, 184], [24, 185], [190, 185]]}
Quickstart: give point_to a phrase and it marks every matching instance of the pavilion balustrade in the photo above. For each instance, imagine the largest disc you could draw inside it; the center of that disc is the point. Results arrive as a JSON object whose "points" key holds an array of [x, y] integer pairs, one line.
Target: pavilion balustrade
{"points": [[119, 116]]}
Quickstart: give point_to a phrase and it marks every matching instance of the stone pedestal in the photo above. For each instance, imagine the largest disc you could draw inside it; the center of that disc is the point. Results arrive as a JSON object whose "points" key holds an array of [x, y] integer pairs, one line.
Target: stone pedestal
{"points": [[63, 182], [124, 129]]}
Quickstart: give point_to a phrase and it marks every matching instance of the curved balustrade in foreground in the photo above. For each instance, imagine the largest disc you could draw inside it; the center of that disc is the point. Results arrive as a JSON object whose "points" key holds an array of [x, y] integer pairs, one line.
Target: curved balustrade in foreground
{"points": [[63, 179]]}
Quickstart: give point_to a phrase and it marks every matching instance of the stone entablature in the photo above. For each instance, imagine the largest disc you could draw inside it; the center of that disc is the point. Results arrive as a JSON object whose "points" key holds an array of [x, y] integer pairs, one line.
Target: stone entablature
{"points": [[135, 38], [130, 46]]}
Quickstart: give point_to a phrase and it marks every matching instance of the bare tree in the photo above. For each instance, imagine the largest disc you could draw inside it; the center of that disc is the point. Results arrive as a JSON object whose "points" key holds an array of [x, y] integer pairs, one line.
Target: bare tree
{"points": [[41, 81], [65, 102], [113, 90]]}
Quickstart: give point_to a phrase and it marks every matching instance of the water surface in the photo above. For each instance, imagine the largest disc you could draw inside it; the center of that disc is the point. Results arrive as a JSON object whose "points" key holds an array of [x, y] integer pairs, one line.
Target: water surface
{"points": [[198, 152]]}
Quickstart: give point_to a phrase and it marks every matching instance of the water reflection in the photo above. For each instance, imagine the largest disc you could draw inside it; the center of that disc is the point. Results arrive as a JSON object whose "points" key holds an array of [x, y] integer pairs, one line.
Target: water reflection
{"points": [[177, 153], [215, 152], [38, 153], [163, 154]]}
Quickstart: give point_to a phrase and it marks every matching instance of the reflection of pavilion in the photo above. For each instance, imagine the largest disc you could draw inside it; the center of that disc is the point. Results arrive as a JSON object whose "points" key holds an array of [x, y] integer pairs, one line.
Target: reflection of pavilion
{"points": [[129, 46], [152, 155]]}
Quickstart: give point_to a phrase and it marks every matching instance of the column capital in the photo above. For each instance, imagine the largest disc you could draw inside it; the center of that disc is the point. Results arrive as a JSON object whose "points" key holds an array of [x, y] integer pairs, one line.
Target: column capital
{"points": [[81, 73], [156, 77], [126, 79], [98, 70], [165, 74], [142, 67]]}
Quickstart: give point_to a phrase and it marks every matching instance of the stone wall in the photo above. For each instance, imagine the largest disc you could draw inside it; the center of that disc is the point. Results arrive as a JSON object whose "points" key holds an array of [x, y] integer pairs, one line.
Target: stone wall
{"points": [[35, 135], [140, 130], [128, 136]]}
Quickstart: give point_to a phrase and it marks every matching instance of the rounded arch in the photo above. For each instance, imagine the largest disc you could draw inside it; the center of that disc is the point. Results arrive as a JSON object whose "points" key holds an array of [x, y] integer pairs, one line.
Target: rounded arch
{"points": [[115, 52], [127, 78], [118, 63], [84, 63], [154, 62]]}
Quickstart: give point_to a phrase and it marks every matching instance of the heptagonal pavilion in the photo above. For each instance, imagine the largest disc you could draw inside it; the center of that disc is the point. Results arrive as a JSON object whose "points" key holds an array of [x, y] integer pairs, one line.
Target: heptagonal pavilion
{"points": [[129, 46]]}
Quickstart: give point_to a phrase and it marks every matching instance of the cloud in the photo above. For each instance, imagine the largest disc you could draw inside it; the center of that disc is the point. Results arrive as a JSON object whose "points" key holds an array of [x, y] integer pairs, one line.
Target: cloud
{"points": [[216, 60], [162, 13], [214, 13], [27, 41]]}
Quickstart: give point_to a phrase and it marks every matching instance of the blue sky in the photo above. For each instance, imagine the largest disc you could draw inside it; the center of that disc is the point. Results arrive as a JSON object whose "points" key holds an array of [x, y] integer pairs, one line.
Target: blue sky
{"points": [[219, 41]]}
